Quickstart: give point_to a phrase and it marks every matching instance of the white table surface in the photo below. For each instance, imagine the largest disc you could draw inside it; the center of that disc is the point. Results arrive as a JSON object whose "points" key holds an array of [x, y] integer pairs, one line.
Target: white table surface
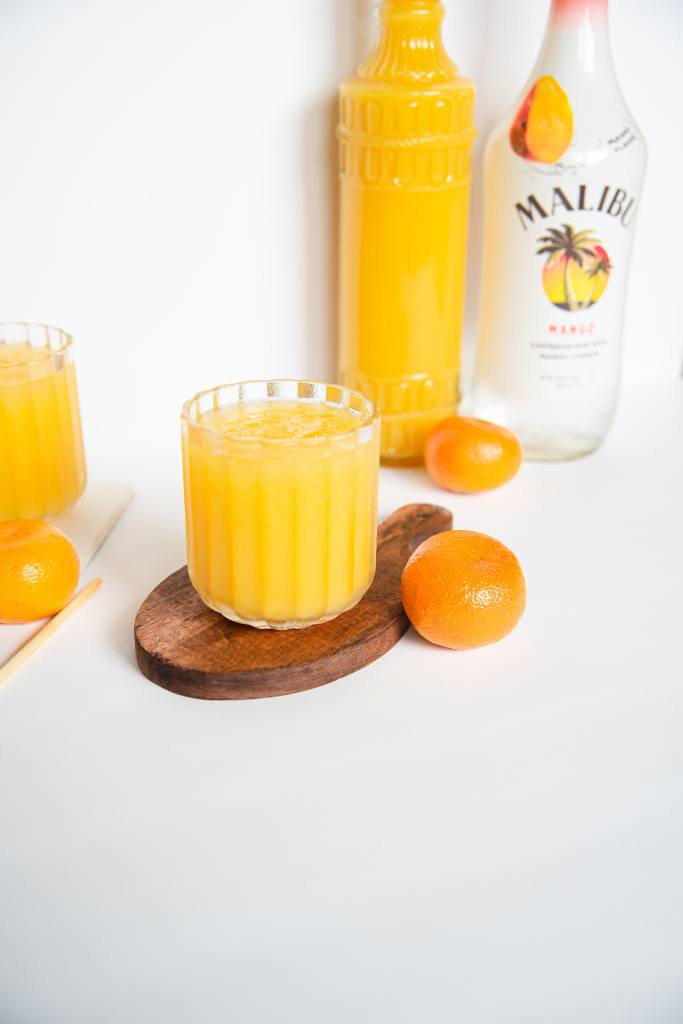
{"points": [[492, 837]]}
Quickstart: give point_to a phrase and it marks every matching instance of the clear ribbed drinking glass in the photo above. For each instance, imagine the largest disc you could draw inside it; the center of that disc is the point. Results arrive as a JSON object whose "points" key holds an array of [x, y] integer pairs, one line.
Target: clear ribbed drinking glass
{"points": [[280, 500], [42, 463]]}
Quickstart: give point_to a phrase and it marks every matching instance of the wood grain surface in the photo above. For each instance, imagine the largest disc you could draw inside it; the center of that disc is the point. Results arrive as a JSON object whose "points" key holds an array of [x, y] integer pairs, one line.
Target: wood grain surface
{"points": [[187, 648]]}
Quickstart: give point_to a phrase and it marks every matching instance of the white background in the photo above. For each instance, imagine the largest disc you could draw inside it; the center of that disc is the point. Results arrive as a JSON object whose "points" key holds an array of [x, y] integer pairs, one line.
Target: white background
{"points": [[169, 173], [487, 838]]}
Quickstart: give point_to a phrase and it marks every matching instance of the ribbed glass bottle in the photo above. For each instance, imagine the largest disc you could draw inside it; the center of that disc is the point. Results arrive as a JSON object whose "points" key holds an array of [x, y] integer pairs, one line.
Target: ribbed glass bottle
{"points": [[406, 134]]}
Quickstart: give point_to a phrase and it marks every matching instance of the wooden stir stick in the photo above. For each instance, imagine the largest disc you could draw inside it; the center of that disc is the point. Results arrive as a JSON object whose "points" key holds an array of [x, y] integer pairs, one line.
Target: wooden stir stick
{"points": [[43, 634]]}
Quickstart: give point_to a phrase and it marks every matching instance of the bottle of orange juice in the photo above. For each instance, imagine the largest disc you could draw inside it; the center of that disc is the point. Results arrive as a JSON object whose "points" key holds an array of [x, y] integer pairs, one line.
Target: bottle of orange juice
{"points": [[406, 134]]}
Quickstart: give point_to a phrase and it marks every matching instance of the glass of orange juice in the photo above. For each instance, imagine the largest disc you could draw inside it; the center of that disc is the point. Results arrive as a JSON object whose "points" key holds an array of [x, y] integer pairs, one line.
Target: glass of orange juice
{"points": [[42, 463], [280, 500]]}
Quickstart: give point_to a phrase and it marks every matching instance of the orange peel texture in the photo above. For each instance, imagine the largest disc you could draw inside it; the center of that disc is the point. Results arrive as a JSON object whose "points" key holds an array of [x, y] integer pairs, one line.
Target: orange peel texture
{"points": [[39, 570]]}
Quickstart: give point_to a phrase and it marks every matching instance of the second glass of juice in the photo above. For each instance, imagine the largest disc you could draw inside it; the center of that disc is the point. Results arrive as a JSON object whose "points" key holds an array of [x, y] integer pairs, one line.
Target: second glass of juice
{"points": [[280, 500], [42, 463]]}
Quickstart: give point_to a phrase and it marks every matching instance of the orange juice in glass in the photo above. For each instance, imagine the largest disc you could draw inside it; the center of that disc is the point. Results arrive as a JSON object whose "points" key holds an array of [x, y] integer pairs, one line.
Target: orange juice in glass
{"points": [[42, 464], [280, 500]]}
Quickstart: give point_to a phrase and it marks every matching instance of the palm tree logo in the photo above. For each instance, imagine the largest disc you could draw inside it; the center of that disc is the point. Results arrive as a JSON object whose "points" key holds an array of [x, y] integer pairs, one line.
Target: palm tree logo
{"points": [[576, 270]]}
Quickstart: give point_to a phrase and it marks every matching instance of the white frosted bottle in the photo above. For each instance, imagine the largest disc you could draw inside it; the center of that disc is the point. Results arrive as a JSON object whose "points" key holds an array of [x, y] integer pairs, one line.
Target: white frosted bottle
{"points": [[563, 175]]}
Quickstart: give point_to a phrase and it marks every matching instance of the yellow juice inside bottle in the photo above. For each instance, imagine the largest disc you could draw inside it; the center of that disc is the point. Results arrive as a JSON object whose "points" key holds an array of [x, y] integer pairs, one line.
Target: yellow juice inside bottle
{"points": [[281, 507], [406, 135], [42, 464]]}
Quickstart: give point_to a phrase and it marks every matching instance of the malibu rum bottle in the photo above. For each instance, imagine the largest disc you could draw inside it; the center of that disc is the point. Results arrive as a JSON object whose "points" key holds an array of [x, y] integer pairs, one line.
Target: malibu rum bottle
{"points": [[563, 174], [405, 137]]}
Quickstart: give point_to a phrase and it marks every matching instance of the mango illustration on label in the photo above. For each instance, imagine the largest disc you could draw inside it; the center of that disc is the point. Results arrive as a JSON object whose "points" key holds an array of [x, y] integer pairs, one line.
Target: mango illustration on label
{"points": [[544, 125], [576, 270]]}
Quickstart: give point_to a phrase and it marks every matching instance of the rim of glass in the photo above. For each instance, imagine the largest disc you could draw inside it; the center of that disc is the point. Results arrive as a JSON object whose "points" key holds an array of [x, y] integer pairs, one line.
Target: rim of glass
{"points": [[370, 411], [52, 334]]}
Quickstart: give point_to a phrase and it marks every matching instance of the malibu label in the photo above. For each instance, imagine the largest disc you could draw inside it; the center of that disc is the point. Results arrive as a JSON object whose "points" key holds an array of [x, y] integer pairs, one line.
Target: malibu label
{"points": [[563, 173], [615, 202]]}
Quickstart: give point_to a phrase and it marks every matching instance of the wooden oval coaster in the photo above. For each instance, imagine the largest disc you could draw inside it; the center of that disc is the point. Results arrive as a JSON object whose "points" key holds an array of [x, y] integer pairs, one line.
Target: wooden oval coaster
{"points": [[184, 646]]}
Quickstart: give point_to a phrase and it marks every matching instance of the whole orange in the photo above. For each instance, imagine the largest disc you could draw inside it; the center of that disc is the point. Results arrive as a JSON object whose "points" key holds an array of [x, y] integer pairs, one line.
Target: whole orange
{"points": [[470, 455], [39, 570], [462, 589]]}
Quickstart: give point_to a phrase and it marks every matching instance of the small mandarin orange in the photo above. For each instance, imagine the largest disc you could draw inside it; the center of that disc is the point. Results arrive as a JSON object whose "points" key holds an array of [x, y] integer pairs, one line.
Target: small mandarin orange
{"points": [[462, 589], [39, 570], [469, 455]]}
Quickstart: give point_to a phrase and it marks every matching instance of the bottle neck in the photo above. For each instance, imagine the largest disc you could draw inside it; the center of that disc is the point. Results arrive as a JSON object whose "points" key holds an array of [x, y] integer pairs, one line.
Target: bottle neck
{"points": [[410, 47], [577, 39]]}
